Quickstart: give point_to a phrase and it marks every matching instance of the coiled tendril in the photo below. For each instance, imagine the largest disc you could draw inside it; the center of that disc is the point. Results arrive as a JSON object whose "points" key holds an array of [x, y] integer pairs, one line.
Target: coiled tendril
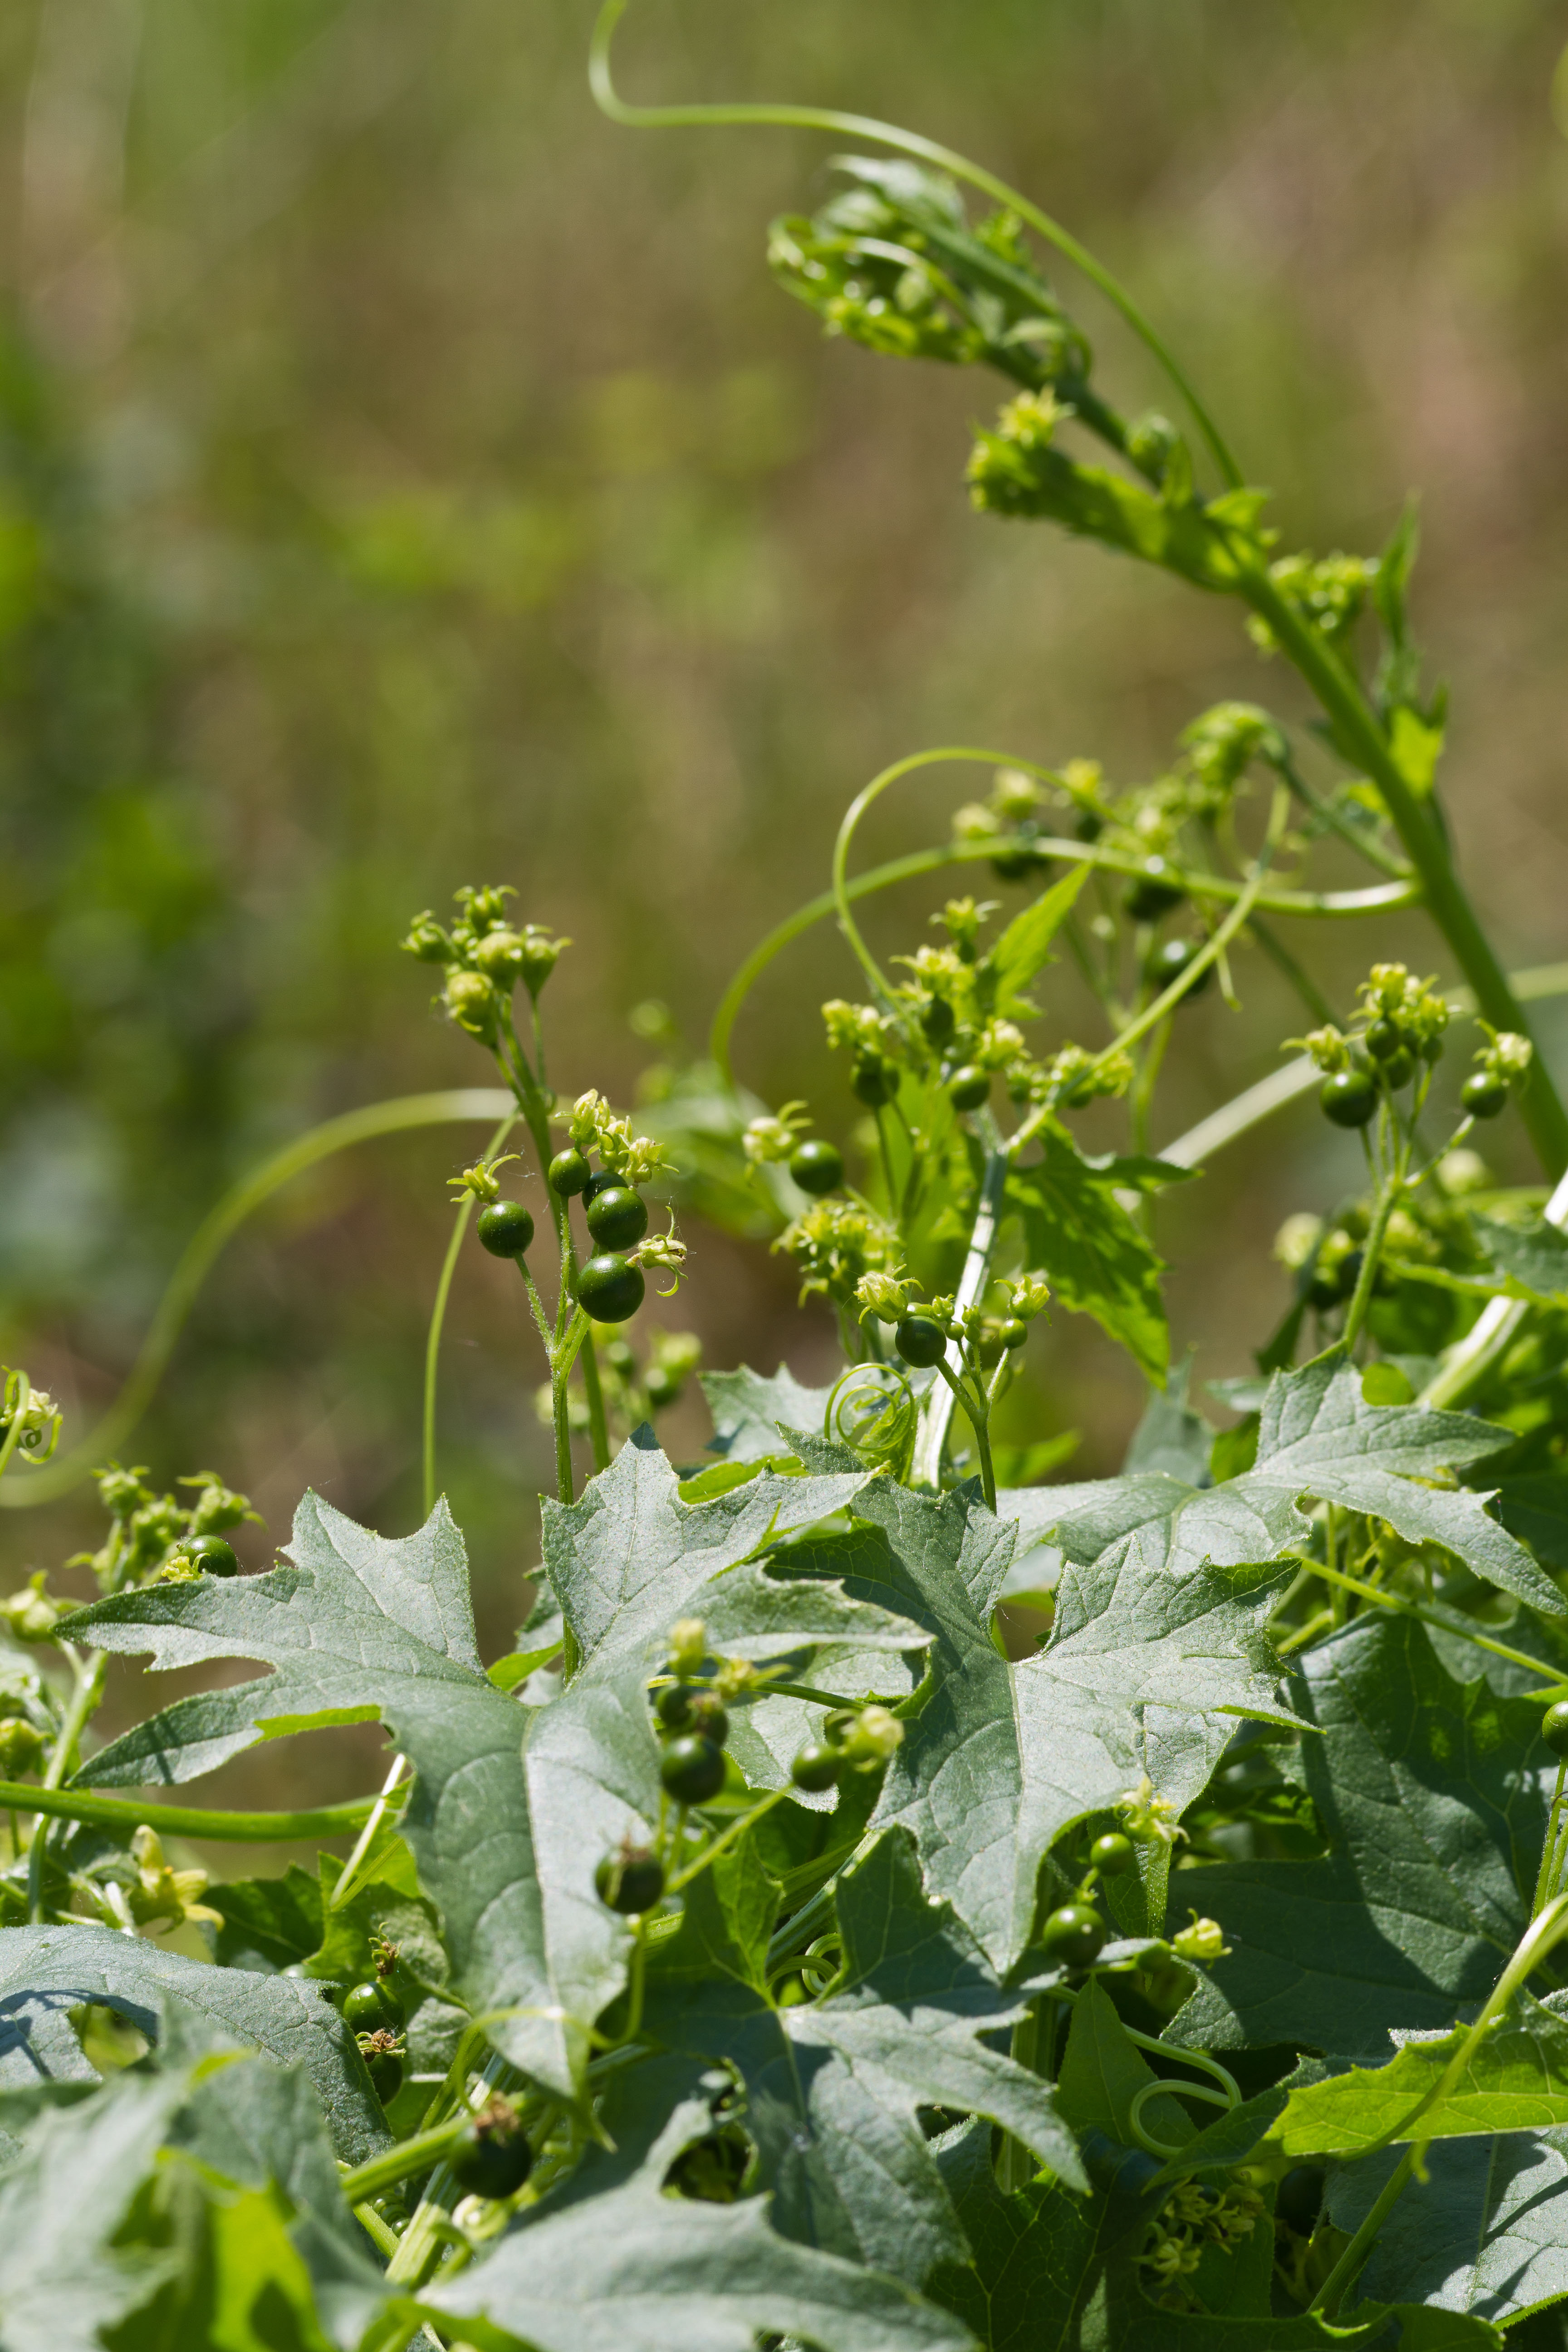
{"points": [[874, 1412]]}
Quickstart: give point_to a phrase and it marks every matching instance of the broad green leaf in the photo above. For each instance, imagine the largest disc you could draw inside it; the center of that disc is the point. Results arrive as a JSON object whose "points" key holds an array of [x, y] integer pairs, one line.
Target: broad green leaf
{"points": [[1139, 1677], [631, 1558], [833, 2088], [241, 2284], [1077, 1233], [1516, 2079], [269, 1923], [1103, 2072], [1172, 1437], [1024, 946], [63, 2279], [1535, 1507], [511, 1808], [1533, 1256], [1317, 1436], [749, 1408], [1433, 1795], [46, 1970], [636, 2270], [1485, 2234]]}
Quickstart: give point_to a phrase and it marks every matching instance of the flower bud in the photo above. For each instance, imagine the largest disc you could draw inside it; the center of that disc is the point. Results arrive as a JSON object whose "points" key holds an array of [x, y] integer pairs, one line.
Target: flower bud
{"points": [[30, 1613], [1512, 1053], [471, 1001], [21, 1747], [875, 1736], [498, 955], [539, 957], [428, 943], [687, 1645], [883, 1295], [1028, 1297], [1203, 1940]]}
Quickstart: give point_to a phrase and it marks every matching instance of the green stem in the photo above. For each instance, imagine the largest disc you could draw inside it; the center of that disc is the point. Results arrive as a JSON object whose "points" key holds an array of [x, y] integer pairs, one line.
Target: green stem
{"points": [[1533, 1946], [1448, 1621], [84, 1702], [1361, 741], [1371, 1250], [598, 1430], [725, 1839], [926, 151], [439, 1313], [399, 2163], [188, 1821], [1327, 2299], [975, 1412], [1545, 1887]]}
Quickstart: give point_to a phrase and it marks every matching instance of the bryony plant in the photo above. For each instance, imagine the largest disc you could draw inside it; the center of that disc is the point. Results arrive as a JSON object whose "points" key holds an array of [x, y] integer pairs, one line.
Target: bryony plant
{"points": [[884, 1902]]}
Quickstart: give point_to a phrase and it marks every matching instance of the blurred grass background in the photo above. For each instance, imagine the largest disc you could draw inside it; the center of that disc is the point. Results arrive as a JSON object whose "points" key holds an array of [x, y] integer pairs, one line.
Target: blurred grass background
{"points": [[407, 478]]}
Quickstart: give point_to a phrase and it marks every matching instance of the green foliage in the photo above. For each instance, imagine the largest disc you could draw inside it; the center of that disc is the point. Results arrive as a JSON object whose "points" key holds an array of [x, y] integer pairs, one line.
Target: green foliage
{"points": [[839, 1899]]}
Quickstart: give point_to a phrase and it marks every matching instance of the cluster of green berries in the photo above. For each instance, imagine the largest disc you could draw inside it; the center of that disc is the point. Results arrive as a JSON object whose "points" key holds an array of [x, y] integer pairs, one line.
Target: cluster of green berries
{"points": [[1404, 1020], [922, 1334], [374, 2015], [609, 1286], [854, 1739], [1074, 1934]]}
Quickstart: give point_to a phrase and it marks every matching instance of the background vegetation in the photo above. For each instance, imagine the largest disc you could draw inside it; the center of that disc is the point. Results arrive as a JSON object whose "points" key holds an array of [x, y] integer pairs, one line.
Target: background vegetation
{"points": [[407, 478]]}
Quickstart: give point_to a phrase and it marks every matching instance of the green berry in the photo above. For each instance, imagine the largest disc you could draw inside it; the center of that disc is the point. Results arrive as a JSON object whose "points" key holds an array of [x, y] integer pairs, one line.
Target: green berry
{"points": [[1012, 1331], [1348, 1098], [568, 1173], [610, 1288], [601, 1180], [212, 1556], [505, 1227], [873, 1081], [1299, 2199], [618, 1217], [491, 2158], [838, 1723], [1153, 892], [630, 1882], [919, 1340], [372, 2008], [692, 1770], [1073, 1934], [969, 1087], [817, 1167], [1484, 1096], [386, 2073], [817, 1768], [1382, 1040], [1555, 1727], [1398, 1069], [1170, 961], [1112, 1854]]}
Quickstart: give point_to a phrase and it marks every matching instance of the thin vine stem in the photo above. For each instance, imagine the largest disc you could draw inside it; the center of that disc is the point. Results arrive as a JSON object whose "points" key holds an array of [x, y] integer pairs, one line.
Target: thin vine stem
{"points": [[187, 1821], [925, 151], [439, 1313]]}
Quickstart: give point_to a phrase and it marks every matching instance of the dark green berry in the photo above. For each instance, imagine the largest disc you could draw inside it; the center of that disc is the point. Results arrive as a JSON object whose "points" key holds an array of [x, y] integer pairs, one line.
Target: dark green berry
{"points": [[817, 1768], [838, 1723], [491, 2156], [372, 2008], [1112, 1854], [1398, 1069], [630, 1882], [505, 1227], [873, 1081], [385, 2065], [937, 1020], [1153, 892], [969, 1087], [673, 1707], [1348, 1098], [1170, 961], [705, 1713], [1382, 1040], [1073, 1934], [1299, 2199], [618, 1217], [599, 1182], [1012, 1331], [610, 1288], [919, 1340], [212, 1556], [568, 1173], [692, 1770], [1484, 1096], [817, 1167], [1555, 1727]]}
